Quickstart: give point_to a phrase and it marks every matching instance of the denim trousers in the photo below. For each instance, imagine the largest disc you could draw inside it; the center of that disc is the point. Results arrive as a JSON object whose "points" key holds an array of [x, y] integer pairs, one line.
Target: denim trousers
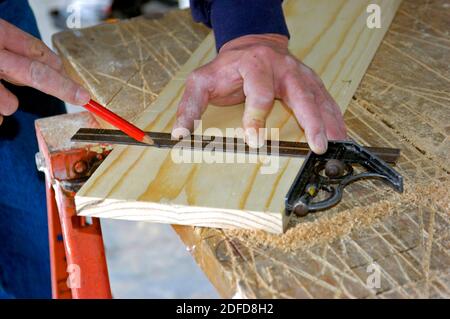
{"points": [[24, 252]]}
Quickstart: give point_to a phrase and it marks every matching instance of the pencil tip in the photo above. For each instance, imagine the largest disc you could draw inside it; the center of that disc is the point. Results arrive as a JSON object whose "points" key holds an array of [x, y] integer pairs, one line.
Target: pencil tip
{"points": [[148, 140]]}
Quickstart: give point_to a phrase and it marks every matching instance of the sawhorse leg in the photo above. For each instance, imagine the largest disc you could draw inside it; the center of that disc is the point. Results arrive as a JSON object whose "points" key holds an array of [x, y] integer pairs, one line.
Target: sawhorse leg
{"points": [[77, 256]]}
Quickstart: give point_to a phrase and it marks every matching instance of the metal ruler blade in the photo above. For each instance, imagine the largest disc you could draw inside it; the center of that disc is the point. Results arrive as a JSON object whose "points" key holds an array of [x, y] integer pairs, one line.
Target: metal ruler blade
{"points": [[202, 142]]}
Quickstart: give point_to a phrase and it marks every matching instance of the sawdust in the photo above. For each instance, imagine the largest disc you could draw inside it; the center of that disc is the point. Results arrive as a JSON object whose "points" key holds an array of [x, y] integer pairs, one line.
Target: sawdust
{"points": [[324, 229], [426, 148]]}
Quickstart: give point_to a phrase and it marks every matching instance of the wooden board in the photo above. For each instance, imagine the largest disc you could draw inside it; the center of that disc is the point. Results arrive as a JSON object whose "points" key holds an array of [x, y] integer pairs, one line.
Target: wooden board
{"points": [[137, 183]]}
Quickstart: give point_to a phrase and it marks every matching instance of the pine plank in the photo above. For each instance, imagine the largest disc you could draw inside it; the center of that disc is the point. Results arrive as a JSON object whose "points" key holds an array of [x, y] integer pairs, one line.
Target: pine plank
{"points": [[138, 183]]}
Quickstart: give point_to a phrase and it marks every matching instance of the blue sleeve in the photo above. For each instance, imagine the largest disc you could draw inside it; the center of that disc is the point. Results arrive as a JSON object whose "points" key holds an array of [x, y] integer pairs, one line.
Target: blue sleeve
{"points": [[19, 13], [231, 19]]}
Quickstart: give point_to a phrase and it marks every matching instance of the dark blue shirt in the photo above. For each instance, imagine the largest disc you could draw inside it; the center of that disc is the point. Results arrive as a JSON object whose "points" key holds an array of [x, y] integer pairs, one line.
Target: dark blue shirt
{"points": [[231, 19], [18, 12]]}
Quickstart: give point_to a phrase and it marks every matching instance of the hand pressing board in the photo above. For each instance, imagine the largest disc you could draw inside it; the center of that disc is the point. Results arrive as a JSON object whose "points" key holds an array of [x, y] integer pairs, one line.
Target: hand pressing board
{"points": [[143, 183]]}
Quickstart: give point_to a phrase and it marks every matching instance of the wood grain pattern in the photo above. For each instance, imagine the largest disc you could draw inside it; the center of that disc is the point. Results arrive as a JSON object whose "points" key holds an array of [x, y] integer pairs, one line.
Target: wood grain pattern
{"points": [[125, 65], [144, 184]]}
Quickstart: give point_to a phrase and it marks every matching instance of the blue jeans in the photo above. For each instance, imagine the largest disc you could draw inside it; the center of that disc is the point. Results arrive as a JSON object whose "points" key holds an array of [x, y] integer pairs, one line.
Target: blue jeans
{"points": [[24, 254]]}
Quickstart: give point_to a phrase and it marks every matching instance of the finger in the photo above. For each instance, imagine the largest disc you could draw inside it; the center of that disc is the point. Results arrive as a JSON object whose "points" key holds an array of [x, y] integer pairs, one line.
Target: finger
{"points": [[236, 97], [192, 105], [259, 96], [1, 120], [41, 77], [8, 101], [15, 40], [330, 111], [300, 98]]}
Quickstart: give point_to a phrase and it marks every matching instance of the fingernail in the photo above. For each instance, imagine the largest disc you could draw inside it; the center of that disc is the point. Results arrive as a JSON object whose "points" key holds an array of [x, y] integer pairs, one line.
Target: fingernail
{"points": [[82, 96], [180, 132], [253, 139], [320, 143]]}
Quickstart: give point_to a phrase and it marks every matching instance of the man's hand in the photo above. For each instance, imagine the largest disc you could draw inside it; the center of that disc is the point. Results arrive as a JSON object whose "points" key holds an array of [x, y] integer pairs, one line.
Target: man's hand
{"points": [[25, 60], [258, 69]]}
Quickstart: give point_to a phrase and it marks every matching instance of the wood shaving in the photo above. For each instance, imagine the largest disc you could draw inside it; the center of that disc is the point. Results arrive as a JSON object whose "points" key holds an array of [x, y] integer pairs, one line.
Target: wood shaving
{"points": [[304, 234]]}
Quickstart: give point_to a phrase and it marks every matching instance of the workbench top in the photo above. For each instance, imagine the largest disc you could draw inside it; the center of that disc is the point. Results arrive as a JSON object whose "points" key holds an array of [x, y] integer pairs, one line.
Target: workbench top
{"points": [[402, 102]]}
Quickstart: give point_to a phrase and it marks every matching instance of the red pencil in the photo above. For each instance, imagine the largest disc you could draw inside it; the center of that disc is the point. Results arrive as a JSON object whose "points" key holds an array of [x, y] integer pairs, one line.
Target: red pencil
{"points": [[119, 122]]}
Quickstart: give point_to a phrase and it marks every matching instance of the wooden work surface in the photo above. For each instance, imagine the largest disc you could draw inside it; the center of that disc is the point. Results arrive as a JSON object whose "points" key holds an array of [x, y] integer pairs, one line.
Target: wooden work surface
{"points": [[402, 102], [218, 190]]}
